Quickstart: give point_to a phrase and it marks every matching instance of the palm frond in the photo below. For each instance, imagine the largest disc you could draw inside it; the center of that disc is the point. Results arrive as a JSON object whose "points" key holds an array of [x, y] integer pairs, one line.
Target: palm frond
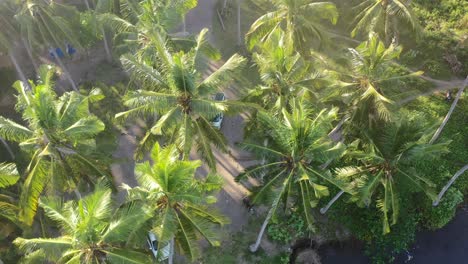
{"points": [[203, 226], [9, 211], [368, 187], [8, 174], [306, 205], [128, 220], [52, 247], [203, 145], [187, 238], [13, 131], [144, 74], [268, 188], [126, 256], [165, 226], [203, 51], [222, 76], [85, 128], [32, 188], [53, 210], [263, 26], [116, 23]]}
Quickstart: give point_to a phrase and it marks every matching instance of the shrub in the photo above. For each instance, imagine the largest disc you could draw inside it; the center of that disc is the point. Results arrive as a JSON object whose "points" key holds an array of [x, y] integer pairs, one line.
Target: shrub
{"points": [[437, 217], [287, 229], [384, 248], [366, 225]]}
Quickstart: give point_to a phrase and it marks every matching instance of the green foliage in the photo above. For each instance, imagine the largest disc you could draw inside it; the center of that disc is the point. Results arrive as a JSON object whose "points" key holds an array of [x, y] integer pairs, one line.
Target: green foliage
{"points": [[303, 21], [88, 30], [430, 53], [438, 217], [68, 144], [297, 145], [385, 18], [446, 24], [287, 228], [173, 87], [179, 203], [59, 137], [442, 15], [90, 228], [440, 170], [383, 249], [366, 225]]}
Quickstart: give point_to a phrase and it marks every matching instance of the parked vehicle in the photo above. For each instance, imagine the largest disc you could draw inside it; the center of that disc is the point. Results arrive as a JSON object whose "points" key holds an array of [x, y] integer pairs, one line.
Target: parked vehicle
{"points": [[159, 253], [218, 120]]}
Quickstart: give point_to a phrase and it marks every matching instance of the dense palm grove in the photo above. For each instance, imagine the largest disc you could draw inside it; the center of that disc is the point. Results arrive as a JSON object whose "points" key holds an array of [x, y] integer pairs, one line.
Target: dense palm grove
{"points": [[325, 119]]}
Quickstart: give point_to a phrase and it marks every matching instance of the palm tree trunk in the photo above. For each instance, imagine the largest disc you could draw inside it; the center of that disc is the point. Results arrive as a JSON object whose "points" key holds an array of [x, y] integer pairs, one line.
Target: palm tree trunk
{"points": [[8, 148], [450, 182], [77, 193], [117, 8], [396, 34], [265, 144], [447, 117], [88, 7], [65, 70], [332, 201], [18, 69], [239, 34], [386, 25], [254, 247], [184, 25], [106, 45], [103, 32], [171, 251], [30, 54], [336, 134]]}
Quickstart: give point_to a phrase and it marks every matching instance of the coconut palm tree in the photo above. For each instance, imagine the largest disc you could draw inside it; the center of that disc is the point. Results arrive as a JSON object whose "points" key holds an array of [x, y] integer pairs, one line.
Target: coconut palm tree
{"points": [[141, 18], [59, 134], [370, 84], [385, 161], [384, 16], [91, 17], [285, 75], [300, 19], [48, 23], [172, 87], [91, 232], [298, 146], [179, 202]]}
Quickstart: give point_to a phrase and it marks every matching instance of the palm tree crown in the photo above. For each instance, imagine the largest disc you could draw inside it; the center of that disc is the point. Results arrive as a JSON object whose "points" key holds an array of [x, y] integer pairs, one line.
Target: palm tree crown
{"points": [[382, 16], [91, 232], [174, 90], [60, 137], [298, 146], [285, 75], [47, 23], [301, 20], [386, 158], [178, 200], [371, 84]]}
